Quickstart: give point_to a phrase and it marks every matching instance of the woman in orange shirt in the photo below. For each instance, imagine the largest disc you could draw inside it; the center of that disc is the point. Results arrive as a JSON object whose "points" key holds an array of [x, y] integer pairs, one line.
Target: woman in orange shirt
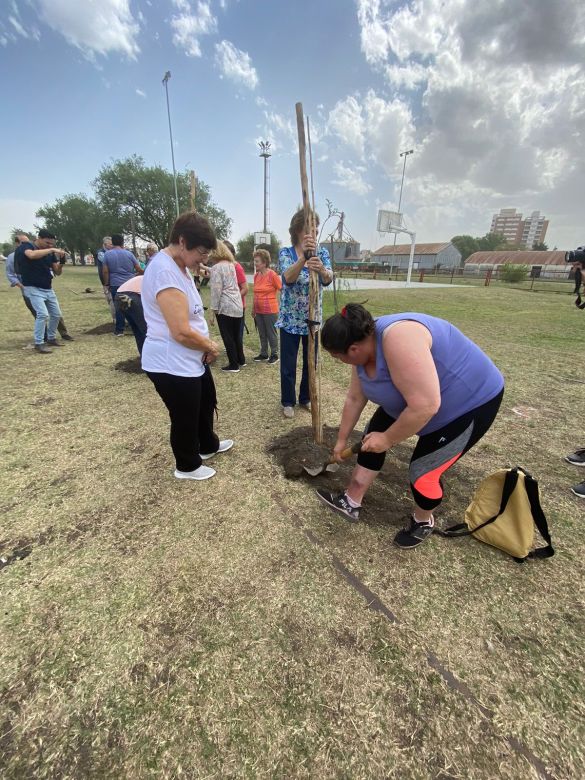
{"points": [[265, 310]]}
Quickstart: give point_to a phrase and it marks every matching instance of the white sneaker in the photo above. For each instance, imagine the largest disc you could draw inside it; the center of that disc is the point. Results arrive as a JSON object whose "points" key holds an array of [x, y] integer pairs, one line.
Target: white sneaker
{"points": [[288, 412], [224, 446], [203, 472]]}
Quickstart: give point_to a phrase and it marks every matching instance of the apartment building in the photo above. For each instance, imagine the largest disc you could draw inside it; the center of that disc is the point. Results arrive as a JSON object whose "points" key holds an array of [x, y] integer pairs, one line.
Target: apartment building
{"points": [[519, 231]]}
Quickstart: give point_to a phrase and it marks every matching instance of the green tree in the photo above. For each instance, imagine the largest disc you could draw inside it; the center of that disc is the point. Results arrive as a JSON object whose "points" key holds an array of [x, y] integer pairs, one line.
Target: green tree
{"points": [[513, 273], [467, 245], [78, 222], [132, 191], [539, 246], [6, 247], [245, 249], [491, 242]]}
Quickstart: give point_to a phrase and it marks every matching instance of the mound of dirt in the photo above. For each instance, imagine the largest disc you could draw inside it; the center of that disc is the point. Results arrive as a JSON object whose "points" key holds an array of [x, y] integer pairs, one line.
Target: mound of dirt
{"points": [[131, 366], [387, 501], [99, 330]]}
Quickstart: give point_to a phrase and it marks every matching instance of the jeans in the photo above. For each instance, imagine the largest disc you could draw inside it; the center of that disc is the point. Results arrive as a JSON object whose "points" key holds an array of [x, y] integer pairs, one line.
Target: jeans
{"points": [[134, 314], [191, 402], [289, 348], [61, 327], [230, 328], [120, 319], [267, 333], [47, 312]]}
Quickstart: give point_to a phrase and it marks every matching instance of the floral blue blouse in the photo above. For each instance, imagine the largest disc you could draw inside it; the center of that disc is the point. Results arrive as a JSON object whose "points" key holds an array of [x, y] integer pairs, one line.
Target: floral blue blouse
{"points": [[294, 298]]}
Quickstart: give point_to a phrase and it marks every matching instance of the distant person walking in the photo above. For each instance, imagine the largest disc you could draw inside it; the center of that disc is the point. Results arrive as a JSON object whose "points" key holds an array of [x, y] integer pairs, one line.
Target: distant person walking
{"points": [[15, 280], [267, 283], [226, 304], [119, 266], [37, 264], [99, 261], [150, 251]]}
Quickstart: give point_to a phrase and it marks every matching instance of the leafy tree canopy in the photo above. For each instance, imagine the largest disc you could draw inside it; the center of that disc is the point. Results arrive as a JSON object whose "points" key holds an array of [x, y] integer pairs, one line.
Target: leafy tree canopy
{"points": [[78, 222], [467, 245], [245, 249], [128, 188]]}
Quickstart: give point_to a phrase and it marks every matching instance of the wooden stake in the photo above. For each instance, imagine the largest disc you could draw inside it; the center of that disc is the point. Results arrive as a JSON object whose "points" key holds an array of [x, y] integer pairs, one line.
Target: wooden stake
{"points": [[193, 190], [313, 282]]}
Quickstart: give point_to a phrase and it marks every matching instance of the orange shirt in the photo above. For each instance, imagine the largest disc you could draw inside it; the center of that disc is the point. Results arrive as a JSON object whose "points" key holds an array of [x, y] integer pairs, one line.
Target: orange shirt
{"points": [[265, 289]]}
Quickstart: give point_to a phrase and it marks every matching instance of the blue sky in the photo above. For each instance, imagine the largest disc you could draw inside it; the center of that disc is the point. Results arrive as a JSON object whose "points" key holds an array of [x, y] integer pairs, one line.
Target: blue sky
{"points": [[489, 94]]}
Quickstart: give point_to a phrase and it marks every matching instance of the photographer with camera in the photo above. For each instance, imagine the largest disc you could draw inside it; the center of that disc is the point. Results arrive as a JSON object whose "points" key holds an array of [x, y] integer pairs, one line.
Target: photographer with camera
{"points": [[577, 258], [37, 264]]}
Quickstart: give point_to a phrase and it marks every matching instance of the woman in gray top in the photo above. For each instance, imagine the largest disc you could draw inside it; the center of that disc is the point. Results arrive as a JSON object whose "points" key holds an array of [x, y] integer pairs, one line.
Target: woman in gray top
{"points": [[226, 305]]}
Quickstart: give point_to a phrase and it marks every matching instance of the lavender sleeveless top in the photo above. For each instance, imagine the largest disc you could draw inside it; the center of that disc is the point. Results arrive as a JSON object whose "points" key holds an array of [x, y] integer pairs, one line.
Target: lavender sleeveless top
{"points": [[467, 377]]}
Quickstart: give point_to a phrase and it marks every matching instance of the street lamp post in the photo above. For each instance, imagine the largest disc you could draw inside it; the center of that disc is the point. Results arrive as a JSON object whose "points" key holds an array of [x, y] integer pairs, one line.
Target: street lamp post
{"points": [[165, 81], [265, 153], [405, 155]]}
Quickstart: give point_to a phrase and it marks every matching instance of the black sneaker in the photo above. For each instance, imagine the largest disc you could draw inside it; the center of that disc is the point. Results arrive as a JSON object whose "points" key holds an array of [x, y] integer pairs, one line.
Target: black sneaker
{"points": [[579, 490], [230, 370], [67, 337], [54, 343], [413, 534], [577, 458], [43, 349], [338, 503], [260, 358], [273, 359]]}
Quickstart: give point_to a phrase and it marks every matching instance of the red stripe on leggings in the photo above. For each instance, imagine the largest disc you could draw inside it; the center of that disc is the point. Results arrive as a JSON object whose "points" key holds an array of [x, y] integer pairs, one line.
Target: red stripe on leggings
{"points": [[428, 485]]}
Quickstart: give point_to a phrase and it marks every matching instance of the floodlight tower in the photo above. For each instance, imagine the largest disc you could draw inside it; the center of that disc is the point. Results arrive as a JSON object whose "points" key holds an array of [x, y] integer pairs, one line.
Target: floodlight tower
{"points": [[405, 155], [265, 152]]}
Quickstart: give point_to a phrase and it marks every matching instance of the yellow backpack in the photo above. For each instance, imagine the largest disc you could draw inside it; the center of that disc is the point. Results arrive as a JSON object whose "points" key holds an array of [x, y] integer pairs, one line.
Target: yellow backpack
{"points": [[503, 512]]}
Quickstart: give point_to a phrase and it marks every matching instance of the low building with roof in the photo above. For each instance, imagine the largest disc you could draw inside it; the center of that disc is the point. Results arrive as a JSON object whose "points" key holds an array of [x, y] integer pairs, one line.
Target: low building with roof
{"points": [[426, 256], [540, 264]]}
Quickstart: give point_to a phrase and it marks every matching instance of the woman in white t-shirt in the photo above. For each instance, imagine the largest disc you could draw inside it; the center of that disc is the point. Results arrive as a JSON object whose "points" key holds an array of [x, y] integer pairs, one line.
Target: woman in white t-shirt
{"points": [[177, 351]]}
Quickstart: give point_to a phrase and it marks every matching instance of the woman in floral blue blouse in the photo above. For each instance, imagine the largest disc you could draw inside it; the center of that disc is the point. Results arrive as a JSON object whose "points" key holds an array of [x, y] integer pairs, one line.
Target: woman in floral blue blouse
{"points": [[294, 308]]}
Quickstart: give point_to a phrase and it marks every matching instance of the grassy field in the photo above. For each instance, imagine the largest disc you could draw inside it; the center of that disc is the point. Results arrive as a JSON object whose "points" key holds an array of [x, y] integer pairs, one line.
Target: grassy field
{"points": [[235, 628]]}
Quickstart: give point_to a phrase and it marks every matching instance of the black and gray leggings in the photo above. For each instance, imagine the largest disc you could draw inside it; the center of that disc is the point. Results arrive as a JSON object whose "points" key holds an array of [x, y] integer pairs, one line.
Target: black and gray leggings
{"points": [[435, 452]]}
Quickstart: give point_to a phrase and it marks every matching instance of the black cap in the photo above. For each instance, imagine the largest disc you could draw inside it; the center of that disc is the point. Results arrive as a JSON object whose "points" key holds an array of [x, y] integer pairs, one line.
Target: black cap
{"points": [[45, 234]]}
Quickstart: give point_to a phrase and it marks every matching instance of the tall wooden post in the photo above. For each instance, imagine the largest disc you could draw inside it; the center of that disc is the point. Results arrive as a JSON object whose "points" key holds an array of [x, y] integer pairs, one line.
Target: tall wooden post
{"points": [[193, 190], [314, 313]]}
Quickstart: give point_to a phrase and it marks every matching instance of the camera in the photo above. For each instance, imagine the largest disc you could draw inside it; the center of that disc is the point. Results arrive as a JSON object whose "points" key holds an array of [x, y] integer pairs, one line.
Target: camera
{"points": [[576, 256]]}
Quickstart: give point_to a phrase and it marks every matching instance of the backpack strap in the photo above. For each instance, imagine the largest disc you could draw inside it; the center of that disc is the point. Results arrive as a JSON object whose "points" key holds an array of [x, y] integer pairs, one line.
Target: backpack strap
{"points": [[539, 519], [461, 529]]}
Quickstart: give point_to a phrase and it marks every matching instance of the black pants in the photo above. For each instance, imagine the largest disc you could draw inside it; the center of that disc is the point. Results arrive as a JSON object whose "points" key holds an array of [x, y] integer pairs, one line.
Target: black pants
{"points": [[191, 402], [435, 452], [230, 330]]}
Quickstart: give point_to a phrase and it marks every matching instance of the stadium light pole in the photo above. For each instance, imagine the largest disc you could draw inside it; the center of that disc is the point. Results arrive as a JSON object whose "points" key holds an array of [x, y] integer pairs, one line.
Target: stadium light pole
{"points": [[165, 81], [405, 155], [265, 152]]}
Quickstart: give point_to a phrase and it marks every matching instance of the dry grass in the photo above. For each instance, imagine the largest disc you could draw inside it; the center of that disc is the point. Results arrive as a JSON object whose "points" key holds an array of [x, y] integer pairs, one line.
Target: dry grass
{"points": [[151, 628]]}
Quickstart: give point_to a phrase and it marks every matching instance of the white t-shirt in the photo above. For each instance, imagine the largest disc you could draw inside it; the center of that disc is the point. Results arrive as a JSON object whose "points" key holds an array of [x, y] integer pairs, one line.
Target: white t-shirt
{"points": [[161, 354]]}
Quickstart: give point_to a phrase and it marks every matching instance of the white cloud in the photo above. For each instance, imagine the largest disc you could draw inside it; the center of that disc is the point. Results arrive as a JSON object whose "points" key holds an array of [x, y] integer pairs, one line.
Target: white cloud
{"points": [[260, 102], [94, 28], [347, 123], [191, 24], [351, 178], [500, 100], [235, 65], [140, 93]]}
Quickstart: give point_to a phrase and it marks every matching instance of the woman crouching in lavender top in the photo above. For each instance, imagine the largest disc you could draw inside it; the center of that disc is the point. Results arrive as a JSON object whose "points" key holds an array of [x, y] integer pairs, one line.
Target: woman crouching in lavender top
{"points": [[429, 380]]}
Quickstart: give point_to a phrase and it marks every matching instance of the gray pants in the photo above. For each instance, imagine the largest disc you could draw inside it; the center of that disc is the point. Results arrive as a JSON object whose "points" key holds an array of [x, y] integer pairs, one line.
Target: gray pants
{"points": [[267, 333]]}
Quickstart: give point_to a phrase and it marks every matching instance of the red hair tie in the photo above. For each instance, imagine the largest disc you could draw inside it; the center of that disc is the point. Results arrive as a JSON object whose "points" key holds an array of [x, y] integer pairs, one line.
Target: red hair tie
{"points": [[344, 312]]}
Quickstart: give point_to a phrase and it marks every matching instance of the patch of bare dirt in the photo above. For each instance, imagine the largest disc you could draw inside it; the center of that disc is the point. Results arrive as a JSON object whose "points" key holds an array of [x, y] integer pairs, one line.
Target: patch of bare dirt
{"points": [[100, 330], [131, 366]]}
